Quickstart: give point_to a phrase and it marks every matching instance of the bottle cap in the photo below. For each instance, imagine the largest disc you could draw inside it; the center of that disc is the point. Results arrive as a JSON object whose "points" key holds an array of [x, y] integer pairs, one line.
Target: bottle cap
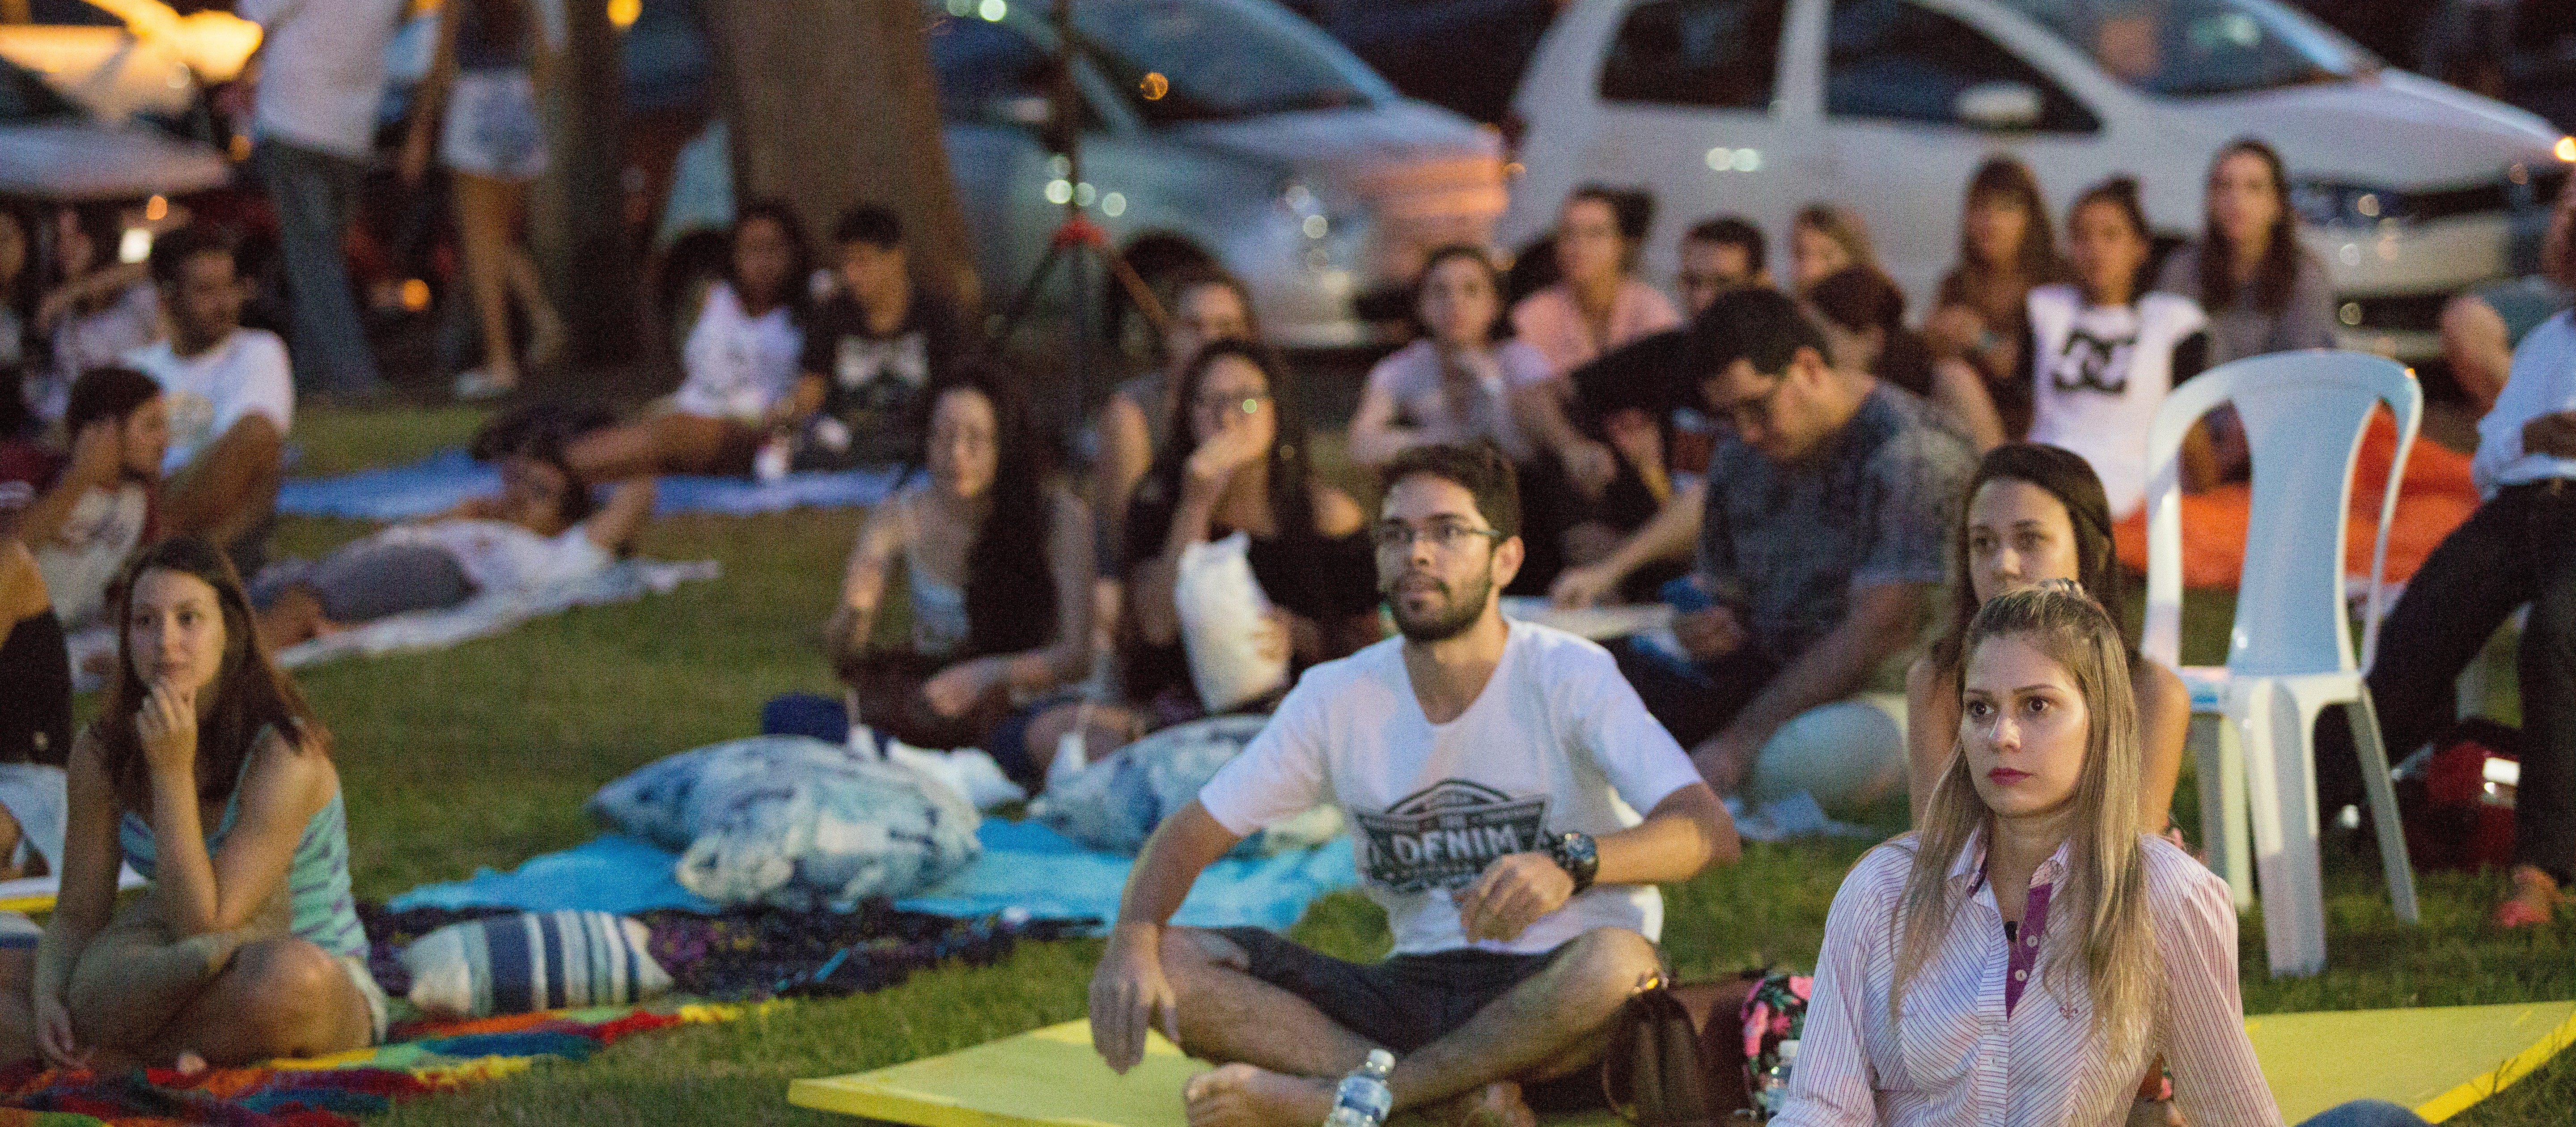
{"points": [[1380, 1060]]}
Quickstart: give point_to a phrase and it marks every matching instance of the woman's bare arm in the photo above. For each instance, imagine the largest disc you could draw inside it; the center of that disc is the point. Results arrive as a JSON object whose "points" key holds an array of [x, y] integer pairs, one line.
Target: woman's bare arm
{"points": [[202, 893]]}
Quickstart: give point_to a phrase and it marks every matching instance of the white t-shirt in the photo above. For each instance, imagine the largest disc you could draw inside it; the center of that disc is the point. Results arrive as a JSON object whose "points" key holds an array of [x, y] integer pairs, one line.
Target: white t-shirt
{"points": [[738, 364], [322, 70], [500, 556], [2098, 374], [1557, 741], [207, 393], [82, 559], [2542, 382]]}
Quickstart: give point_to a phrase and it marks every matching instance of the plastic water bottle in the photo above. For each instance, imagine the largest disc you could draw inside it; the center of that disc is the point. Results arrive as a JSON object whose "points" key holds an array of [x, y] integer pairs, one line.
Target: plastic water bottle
{"points": [[1364, 1099], [1775, 1080]]}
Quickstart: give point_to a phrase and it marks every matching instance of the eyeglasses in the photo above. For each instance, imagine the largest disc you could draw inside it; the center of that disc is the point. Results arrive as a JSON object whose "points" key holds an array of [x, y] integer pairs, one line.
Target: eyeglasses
{"points": [[1448, 535], [1247, 402], [1752, 411]]}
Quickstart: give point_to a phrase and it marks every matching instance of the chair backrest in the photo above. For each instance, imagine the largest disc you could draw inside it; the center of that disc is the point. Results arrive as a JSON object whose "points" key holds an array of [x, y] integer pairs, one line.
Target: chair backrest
{"points": [[2304, 414]]}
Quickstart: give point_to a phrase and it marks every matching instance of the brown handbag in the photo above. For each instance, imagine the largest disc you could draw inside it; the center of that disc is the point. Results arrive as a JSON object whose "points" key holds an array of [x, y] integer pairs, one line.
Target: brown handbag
{"points": [[1674, 1059]]}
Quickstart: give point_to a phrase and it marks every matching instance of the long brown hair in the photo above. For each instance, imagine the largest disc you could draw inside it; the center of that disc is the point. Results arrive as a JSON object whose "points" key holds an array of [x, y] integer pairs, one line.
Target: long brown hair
{"points": [[2061, 474], [251, 692], [2280, 268], [2002, 177], [2111, 953]]}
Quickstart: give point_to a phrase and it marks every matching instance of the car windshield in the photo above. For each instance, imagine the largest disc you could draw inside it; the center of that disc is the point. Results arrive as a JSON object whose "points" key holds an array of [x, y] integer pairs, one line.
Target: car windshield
{"points": [[1204, 60], [2188, 47]]}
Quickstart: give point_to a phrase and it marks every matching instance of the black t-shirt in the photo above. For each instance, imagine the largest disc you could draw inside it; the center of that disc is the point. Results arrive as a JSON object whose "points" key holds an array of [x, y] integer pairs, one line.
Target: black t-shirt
{"points": [[1325, 580], [1650, 374], [874, 383]]}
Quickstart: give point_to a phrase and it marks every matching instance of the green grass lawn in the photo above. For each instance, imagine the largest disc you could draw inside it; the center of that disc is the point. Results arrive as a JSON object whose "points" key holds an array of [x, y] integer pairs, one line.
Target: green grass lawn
{"points": [[481, 755]]}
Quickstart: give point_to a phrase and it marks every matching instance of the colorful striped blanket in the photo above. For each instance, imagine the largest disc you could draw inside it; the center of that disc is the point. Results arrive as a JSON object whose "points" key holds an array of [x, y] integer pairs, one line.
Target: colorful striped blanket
{"points": [[331, 1091]]}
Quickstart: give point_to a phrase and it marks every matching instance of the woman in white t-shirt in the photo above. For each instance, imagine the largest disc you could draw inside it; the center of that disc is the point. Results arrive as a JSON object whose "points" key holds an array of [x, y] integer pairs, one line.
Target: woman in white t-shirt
{"points": [[541, 529], [2103, 355], [741, 363], [1453, 383]]}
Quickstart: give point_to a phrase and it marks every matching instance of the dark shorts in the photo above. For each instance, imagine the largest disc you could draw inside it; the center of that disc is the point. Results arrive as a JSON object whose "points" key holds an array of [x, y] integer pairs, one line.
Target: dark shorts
{"points": [[1409, 1001]]}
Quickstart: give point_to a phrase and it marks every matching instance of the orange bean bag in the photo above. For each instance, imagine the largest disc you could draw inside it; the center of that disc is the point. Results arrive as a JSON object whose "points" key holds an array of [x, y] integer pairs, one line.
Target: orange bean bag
{"points": [[2437, 495]]}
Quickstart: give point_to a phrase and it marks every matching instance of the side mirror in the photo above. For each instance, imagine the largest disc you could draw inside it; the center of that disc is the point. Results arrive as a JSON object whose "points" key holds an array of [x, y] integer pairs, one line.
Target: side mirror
{"points": [[2002, 105]]}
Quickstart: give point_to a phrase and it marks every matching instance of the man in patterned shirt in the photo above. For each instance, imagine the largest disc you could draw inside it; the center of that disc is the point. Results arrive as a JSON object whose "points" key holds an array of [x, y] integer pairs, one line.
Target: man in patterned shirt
{"points": [[1820, 531]]}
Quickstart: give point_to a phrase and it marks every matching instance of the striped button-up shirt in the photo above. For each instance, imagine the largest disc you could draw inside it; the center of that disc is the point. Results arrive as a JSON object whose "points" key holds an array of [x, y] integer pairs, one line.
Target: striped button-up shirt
{"points": [[1958, 1057]]}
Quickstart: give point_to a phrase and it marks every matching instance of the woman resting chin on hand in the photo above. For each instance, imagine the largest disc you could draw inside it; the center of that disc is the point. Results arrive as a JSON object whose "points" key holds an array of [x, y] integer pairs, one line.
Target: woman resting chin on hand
{"points": [[205, 772]]}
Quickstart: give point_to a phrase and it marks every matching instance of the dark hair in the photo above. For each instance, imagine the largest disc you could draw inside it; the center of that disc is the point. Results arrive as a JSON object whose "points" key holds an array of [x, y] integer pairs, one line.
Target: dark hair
{"points": [[107, 393], [1292, 504], [539, 432], [1756, 324], [17, 418], [1732, 231], [251, 692], [1179, 283], [1010, 581], [2122, 192], [800, 253], [2007, 178], [1631, 210], [104, 229], [1859, 298], [1480, 467], [172, 252], [2066, 476], [868, 223], [2280, 268], [1466, 252]]}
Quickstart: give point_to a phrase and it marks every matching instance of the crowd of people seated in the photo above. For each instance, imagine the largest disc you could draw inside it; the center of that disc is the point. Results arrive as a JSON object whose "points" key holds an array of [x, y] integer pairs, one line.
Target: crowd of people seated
{"points": [[1891, 550]]}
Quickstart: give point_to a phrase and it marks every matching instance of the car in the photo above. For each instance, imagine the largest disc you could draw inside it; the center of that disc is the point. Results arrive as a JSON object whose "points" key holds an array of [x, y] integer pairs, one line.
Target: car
{"points": [[105, 113], [1223, 131], [1466, 55], [2409, 190]]}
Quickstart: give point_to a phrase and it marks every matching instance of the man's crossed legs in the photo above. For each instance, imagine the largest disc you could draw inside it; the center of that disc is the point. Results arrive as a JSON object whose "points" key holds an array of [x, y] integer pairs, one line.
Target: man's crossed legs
{"points": [[1468, 1027]]}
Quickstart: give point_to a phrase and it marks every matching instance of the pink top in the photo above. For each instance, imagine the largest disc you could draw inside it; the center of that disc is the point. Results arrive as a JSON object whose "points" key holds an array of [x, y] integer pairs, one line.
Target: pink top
{"points": [[1552, 322], [1965, 1057]]}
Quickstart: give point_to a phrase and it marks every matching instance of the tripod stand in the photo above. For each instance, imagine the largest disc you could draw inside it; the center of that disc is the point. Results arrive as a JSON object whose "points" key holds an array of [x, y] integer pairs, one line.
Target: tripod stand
{"points": [[1077, 238]]}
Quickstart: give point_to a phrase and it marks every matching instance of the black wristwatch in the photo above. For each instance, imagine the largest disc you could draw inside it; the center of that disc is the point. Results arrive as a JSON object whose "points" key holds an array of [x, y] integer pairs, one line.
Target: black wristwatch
{"points": [[1573, 852]]}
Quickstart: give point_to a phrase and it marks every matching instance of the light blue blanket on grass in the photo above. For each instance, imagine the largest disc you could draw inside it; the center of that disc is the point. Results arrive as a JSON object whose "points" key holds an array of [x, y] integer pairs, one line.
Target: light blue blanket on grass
{"points": [[435, 484], [1025, 866]]}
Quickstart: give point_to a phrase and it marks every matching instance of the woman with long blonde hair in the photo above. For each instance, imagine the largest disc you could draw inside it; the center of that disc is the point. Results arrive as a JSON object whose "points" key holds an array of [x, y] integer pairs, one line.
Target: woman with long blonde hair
{"points": [[1940, 999]]}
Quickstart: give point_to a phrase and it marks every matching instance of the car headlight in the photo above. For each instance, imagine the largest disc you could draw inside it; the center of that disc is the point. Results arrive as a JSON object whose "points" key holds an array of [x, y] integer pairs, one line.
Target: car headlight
{"points": [[2323, 203]]}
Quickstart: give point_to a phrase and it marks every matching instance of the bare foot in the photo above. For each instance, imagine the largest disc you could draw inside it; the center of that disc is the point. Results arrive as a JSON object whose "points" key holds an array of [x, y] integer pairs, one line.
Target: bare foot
{"points": [[1239, 1095], [1498, 1104], [189, 1063]]}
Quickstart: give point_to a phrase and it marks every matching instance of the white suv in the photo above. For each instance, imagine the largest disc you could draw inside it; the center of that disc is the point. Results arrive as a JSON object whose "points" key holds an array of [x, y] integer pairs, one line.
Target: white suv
{"points": [[2410, 190]]}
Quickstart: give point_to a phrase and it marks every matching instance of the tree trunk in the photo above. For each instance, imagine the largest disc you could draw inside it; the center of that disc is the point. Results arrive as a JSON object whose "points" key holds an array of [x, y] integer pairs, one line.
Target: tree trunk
{"points": [[832, 103], [577, 232]]}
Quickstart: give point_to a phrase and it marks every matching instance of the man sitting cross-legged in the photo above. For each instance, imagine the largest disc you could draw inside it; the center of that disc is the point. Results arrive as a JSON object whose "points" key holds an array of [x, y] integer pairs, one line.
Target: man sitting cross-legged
{"points": [[1491, 773]]}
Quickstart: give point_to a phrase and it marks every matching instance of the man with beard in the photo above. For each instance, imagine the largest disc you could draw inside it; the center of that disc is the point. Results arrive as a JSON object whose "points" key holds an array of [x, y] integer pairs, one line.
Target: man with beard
{"points": [[1491, 773]]}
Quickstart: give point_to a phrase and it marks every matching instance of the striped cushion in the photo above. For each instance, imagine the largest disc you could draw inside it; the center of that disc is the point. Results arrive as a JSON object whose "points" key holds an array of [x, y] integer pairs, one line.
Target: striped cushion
{"points": [[532, 961]]}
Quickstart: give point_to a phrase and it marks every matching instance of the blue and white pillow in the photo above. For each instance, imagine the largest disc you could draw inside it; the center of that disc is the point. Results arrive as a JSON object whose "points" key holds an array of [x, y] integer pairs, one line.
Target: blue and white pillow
{"points": [[533, 961]]}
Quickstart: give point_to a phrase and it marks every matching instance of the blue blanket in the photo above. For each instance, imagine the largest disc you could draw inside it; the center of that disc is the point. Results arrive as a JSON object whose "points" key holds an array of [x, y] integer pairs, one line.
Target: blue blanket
{"points": [[436, 483], [1025, 866]]}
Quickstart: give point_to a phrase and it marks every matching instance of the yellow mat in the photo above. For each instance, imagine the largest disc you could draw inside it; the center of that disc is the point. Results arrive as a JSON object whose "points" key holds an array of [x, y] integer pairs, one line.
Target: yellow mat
{"points": [[2435, 1060]]}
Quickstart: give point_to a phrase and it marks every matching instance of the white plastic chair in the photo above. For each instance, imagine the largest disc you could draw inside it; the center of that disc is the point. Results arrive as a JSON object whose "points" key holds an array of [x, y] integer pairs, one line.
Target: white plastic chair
{"points": [[2290, 652]]}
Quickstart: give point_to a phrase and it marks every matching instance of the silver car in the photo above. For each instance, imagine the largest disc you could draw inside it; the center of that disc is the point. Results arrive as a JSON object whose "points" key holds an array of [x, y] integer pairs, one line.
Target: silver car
{"points": [[1218, 130]]}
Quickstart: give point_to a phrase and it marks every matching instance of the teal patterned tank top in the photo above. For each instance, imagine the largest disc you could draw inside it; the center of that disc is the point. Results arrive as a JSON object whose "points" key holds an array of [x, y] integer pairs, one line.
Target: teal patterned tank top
{"points": [[317, 880]]}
